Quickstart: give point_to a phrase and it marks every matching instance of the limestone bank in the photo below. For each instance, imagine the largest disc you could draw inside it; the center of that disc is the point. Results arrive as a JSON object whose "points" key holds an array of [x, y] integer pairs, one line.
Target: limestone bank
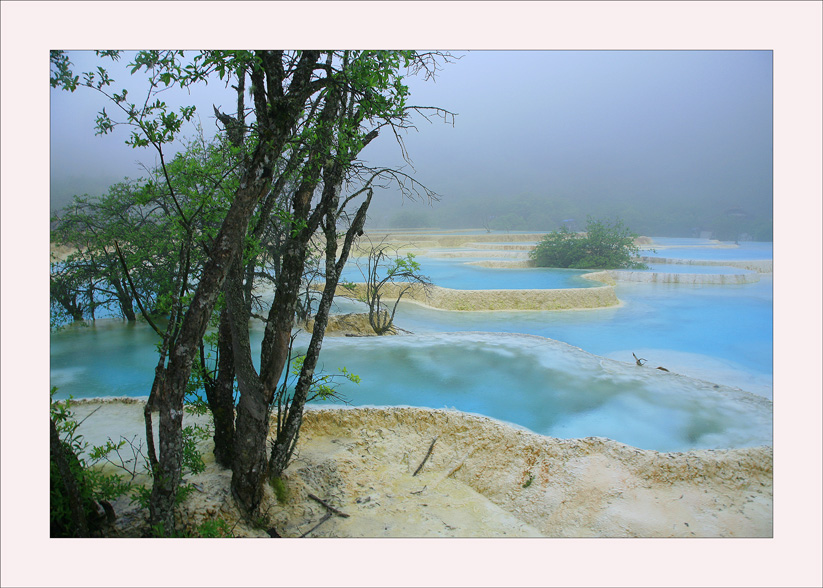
{"points": [[482, 478]]}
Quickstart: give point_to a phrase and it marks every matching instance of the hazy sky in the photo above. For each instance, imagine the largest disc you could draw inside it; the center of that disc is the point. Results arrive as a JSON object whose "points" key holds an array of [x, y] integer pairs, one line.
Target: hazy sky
{"points": [[693, 125]]}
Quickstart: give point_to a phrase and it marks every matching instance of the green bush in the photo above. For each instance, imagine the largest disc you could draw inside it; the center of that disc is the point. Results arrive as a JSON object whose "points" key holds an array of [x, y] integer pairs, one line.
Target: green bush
{"points": [[79, 493], [214, 528], [603, 246]]}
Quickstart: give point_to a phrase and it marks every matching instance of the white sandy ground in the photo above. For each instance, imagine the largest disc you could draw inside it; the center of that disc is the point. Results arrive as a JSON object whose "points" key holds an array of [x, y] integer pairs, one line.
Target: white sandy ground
{"points": [[475, 482]]}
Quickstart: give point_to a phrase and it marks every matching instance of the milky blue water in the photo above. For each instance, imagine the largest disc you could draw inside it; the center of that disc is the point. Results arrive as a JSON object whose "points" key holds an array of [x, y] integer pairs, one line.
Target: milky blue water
{"points": [[442, 233], [109, 358], [577, 378], [551, 388], [671, 268], [705, 249], [458, 273]]}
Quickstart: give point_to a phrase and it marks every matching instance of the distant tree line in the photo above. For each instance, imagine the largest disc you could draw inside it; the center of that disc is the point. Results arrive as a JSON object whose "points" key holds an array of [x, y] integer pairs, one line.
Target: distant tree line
{"points": [[549, 212]]}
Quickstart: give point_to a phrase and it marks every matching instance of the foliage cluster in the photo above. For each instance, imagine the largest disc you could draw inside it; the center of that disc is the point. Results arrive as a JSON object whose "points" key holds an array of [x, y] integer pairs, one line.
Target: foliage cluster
{"points": [[78, 492], [87, 480], [125, 243], [604, 245]]}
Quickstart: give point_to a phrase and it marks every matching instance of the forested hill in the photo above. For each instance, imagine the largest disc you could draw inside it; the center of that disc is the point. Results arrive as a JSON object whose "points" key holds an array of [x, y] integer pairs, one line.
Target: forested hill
{"points": [[721, 218]]}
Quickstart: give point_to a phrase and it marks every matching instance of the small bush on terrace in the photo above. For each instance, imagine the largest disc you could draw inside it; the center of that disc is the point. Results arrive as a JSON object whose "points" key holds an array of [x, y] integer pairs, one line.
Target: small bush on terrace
{"points": [[603, 246]]}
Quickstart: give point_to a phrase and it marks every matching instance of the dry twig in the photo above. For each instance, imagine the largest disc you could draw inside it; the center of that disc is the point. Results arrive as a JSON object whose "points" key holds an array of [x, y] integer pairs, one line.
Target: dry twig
{"points": [[325, 518], [329, 506], [428, 453], [329, 511]]}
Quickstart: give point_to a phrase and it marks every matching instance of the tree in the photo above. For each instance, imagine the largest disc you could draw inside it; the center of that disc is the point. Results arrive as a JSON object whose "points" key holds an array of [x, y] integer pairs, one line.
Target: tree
{"points": [[313, 112], [281, 87], [370, 96], [384, 265], [69, 295], [92, 227], [604, 245]]}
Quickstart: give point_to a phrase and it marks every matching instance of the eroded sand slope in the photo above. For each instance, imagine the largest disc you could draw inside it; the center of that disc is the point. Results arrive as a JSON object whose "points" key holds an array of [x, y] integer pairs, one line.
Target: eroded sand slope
{"points": [[475, 482]]}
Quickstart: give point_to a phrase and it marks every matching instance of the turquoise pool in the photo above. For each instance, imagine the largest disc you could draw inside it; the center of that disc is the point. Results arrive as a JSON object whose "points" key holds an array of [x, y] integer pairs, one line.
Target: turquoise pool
{"points": [[560, 373]]}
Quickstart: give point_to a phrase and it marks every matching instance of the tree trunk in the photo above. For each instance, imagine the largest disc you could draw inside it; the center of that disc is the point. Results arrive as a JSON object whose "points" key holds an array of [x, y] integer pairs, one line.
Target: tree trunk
{"points": [[250, 467], [173, 387], [167, 477], [127, 308], [287, 437], [220, 395], [128, 312], [124, 300], [68, 301]]}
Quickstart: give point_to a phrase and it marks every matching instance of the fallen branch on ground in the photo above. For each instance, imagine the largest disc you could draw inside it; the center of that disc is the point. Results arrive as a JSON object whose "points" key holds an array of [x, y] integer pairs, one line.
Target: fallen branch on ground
{"points": [[328, 506], [325, 518], [428, 453], [329, 511]]}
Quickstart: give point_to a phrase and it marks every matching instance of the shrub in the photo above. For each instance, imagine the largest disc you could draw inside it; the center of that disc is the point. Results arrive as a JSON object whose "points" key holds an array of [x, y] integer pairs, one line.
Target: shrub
{"points": [[603, 246], [79, 493], [281, 491]]}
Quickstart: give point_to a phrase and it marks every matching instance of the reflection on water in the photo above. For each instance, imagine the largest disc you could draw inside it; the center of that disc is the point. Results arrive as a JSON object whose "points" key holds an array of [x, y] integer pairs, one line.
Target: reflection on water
{"points": [[110, 358], [550, 388], [721, 335], [709, 323]]}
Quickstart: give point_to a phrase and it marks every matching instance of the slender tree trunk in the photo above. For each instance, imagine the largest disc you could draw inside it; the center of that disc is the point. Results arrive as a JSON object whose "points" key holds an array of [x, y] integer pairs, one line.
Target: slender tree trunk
{"points": [[148, 409], [252, 410], [124, 300], [220, 395], [287, 437]]}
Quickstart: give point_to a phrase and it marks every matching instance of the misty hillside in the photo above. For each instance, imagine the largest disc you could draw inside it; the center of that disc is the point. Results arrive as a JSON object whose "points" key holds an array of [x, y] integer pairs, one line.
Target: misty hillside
{"points": [[532, 212]]}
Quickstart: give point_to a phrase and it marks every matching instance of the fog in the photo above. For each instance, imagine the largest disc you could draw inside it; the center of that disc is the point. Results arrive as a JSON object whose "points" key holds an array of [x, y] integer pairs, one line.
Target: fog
{"points": [[670, 141]]}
